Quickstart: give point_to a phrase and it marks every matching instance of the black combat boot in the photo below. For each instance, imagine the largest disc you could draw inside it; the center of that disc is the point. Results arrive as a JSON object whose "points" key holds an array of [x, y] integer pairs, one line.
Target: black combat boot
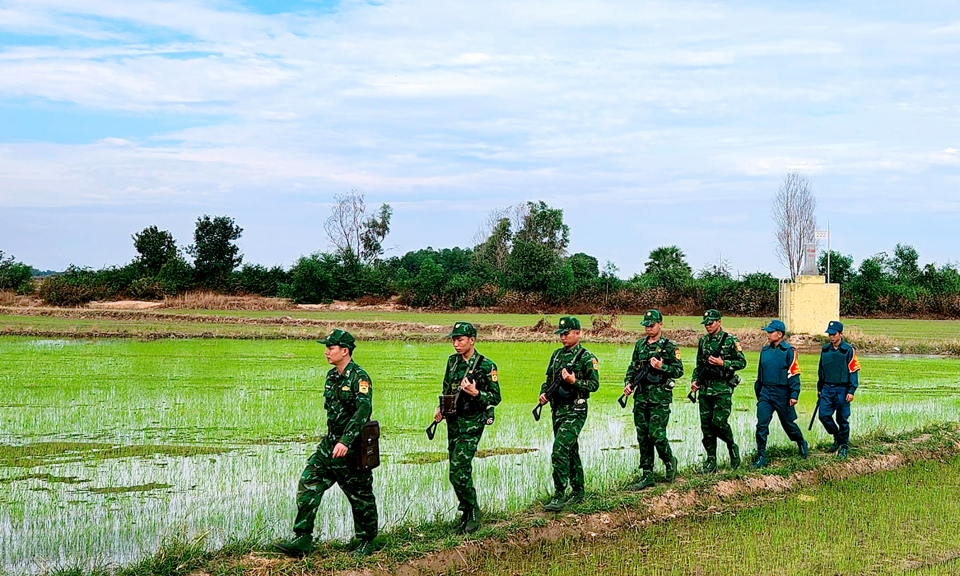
{"points": [[645, 481], [843, 451], [761, 461], [671, 469], [836, 444], [473, 521], [734, 451], [298, 547], [364, 548], [803, 448], [555, 504]]}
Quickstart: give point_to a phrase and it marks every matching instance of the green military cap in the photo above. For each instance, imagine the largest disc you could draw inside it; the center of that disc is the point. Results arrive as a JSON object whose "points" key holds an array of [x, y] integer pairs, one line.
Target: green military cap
{"points": [[566, 324], [338, 337], [651, 317], [711, 315], [463, 329]]}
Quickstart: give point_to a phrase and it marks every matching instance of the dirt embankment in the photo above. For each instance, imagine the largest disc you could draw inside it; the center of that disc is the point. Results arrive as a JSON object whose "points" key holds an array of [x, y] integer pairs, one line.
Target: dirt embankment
{"points": [[720, 497]]}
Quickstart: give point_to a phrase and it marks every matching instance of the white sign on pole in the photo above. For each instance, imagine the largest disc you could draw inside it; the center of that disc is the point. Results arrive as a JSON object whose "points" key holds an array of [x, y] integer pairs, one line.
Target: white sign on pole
{"points": [[822, 234]]}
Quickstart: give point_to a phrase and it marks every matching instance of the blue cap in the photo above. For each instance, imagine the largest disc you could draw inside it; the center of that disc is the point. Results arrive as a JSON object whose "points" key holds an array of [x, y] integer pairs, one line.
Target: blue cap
{"points": [[776, 325], [834, 327]]}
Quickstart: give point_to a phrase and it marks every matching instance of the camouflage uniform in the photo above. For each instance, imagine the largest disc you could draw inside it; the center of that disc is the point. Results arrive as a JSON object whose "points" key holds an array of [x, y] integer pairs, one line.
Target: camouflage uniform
{"points": [[465, 428], [651, 400], [569, 413], [716, 386], [348, 400]]}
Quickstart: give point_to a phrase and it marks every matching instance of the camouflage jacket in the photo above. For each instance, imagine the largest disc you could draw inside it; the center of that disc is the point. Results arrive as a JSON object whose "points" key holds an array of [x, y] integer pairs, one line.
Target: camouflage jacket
{"points": [[485, 375], [588, 377], [348, 400], [658, 387], [716, 380]]}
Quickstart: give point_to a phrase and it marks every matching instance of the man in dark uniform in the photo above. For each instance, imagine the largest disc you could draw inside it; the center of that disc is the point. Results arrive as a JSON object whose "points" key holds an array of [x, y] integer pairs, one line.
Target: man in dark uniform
{"points": [[837, 381], [576, 370], [348, 400], [719, 356], [777, 389], [655, 364], [473, 378]]}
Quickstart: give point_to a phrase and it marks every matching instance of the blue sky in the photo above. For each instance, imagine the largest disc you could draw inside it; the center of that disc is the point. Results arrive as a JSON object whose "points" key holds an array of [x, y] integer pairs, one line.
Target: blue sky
{"points": [[648, 123]]}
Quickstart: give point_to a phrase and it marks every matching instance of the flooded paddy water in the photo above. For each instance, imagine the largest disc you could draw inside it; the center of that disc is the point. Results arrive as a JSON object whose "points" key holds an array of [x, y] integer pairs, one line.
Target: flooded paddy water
{"points": [[107, 448]]}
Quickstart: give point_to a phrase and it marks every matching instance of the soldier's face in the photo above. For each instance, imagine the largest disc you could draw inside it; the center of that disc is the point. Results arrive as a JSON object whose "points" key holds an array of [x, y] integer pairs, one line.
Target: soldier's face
{"points": [[653, 331], [570, 338], [835, 339], [463, 344], [713, 327], [774, 337], [335, 354]]}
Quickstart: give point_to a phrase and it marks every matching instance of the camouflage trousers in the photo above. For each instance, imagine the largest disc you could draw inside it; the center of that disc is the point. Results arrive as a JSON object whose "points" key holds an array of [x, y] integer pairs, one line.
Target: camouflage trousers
{"points": [[463, 436], [568, 421], [715, 420], [651, 423], [321, 473]]}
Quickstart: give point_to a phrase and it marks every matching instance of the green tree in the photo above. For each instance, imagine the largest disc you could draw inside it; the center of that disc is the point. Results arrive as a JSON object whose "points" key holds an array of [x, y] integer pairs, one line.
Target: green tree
{"points": [[375, 230], [668, 267], [351, 232], [15, 276], [841, 267], [585, 268], [490, 256], [214, 252], [904, 265], [154, 248], [427, 283], [544, 225]]}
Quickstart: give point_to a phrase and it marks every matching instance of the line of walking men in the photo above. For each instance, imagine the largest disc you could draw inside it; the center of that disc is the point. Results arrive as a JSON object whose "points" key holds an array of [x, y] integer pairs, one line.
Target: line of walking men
{"points": [[471, 390]]}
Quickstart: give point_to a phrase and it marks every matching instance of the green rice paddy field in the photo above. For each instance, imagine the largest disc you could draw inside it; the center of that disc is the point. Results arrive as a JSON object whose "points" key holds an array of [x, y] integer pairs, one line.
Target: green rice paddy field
{"points": [[110, 447]]}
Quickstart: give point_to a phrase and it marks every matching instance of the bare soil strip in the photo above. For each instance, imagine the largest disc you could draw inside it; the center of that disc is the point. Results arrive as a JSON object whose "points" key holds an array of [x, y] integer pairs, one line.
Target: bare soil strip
{"points": [[285, 327], [721, 497]]}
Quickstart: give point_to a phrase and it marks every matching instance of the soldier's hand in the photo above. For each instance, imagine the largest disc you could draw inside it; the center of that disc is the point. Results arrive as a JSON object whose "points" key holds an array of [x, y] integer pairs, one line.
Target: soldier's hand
{"points": [[437, 415], [849, 398], [693, 386], [569, 377], [715, 360], [340, 450], [656, 363], [543, 399], [793, 402], [627, 390], [469, 387]]}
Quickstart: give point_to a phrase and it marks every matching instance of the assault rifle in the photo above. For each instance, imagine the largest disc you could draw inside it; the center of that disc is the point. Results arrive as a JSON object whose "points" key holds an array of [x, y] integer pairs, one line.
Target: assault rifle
{"points": [[816, 410], [644, 375], [558, 386], [448, 402], [718, 372]]}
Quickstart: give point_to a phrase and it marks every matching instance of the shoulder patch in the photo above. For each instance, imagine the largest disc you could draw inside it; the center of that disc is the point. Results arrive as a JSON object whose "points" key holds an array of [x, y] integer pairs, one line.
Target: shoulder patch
{"points": [[594, 364], [493, 375], [676, 353], [364, 387]]}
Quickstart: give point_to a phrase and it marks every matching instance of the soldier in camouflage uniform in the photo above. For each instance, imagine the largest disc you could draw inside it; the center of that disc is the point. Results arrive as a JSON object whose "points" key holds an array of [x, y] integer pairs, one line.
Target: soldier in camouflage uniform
{"points": [[575, 370], [348, 400], [656, 363], [719, 356], [473, 378]]}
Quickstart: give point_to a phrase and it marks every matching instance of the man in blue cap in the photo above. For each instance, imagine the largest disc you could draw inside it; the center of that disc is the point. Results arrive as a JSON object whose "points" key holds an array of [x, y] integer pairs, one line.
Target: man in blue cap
{"points": [[472, 378], [575, 368], [837, 381], [348, 401], [777, 389]]}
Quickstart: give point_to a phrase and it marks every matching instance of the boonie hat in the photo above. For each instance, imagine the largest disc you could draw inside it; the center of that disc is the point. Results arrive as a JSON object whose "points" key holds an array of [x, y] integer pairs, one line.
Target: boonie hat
{"points": [[463, 329], [834, 327], [776, 326], [338, 337], [651, 317], [566, 324], [710, 315]]}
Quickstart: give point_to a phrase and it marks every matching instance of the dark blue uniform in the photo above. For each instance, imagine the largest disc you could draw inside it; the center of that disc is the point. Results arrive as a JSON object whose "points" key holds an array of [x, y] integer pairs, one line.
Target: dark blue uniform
{"points": [[837, 376], [778, 382]]}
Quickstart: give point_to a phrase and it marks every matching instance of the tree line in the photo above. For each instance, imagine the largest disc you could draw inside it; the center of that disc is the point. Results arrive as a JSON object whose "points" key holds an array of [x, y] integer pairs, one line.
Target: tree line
{"points": [[519, 262]]}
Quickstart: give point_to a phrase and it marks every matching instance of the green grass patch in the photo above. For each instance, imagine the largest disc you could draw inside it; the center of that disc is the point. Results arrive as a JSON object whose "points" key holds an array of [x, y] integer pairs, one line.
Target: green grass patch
{"points": [[46, 453], [124, 489]]}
